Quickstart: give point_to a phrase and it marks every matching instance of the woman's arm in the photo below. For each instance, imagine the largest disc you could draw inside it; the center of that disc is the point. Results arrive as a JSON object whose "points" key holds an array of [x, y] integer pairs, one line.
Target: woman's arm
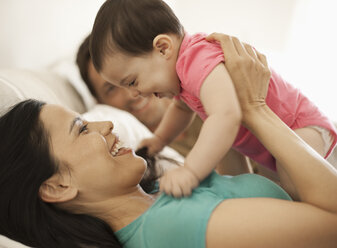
{"points": [[271, 222], [307, 169]]}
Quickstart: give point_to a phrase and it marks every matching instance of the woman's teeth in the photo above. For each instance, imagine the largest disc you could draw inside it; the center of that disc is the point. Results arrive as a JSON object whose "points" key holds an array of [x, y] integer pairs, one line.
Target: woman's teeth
{"points": [[116, 148]]}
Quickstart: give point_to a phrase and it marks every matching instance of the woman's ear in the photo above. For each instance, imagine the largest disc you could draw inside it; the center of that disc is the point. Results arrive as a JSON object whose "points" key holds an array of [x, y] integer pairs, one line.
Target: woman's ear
{"points": [[57, 189], [163, 44]]}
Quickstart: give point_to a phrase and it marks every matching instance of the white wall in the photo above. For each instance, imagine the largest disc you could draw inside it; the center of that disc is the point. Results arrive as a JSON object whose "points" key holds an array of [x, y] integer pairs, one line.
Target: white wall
{"points": [[35, 33], [265, 23], [310, 57]]}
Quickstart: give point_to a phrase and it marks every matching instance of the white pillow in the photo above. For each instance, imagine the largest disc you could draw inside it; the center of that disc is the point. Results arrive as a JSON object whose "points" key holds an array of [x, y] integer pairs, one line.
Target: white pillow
{"points": [[68, 69], [8, 243], [19, 84]]}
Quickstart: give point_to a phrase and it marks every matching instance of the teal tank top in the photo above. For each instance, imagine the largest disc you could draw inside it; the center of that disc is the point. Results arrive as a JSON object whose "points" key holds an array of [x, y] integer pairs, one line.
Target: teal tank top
{"points": [[182, 222]]}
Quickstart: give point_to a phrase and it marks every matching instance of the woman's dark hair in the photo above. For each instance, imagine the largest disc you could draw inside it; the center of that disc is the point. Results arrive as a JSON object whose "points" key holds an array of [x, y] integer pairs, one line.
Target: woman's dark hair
{"points": [[130, 26], [82, 61], [25, 163]]}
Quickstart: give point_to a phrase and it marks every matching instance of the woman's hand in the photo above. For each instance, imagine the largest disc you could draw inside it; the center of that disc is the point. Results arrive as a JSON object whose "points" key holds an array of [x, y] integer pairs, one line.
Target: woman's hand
{"points": [[248, 69]]}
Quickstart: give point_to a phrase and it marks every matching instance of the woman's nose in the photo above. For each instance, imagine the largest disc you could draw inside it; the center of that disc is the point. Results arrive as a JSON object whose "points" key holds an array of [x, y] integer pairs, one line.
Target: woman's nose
{"points": [[106, 128]]}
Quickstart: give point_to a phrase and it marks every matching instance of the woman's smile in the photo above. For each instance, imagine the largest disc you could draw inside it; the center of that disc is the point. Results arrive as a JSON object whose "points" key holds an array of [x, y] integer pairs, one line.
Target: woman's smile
{"points": [[123, 151], [117, 149]]}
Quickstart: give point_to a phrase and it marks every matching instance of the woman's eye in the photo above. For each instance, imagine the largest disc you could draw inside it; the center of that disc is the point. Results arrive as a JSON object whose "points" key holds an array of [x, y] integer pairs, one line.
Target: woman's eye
{"points": [[84, 128], [110, 88]]}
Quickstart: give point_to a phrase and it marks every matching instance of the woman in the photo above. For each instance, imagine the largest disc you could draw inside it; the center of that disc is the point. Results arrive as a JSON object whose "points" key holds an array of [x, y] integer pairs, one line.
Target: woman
{"points": [[79, 189]]}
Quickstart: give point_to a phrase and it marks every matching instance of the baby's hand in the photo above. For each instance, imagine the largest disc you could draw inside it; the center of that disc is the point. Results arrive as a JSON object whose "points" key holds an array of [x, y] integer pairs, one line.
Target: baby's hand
{"points": [[178, 182], [154, 145]]}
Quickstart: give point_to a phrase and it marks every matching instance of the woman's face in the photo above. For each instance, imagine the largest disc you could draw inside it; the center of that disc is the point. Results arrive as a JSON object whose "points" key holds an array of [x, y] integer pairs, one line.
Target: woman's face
{"points": [[85, 150]]}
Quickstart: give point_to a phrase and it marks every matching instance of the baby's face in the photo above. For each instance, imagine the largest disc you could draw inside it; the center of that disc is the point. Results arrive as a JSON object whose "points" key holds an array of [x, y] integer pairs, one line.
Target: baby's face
{"points": [[144, 75], [149, 110]]}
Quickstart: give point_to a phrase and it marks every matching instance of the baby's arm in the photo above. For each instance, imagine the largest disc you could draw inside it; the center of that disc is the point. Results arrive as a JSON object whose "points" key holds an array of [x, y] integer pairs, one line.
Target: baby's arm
{"points": [[217, 134], [176, 119], [219, 130]]}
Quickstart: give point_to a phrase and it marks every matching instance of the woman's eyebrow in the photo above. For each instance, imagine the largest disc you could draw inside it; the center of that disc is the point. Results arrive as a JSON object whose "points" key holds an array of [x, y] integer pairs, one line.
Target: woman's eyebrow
{"points": [[107, 85], [76, 119]]}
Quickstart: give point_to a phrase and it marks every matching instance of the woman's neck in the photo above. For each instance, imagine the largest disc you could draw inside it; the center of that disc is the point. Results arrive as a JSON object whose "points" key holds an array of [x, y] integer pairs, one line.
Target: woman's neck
{"points": [[119, 211]]}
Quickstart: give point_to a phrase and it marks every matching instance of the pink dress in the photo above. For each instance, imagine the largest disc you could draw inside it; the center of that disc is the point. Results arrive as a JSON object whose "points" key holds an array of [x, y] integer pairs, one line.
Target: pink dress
{"points": [[198, 57]]}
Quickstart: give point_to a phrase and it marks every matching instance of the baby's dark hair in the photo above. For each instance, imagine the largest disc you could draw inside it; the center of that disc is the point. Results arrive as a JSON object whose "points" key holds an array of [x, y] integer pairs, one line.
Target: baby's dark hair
{"points": [[130, 27]]}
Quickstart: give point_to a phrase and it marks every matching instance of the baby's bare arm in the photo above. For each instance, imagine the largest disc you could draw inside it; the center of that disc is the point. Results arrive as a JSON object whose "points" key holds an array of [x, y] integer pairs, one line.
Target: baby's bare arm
{"points": [[177, 118], [219, 130]]}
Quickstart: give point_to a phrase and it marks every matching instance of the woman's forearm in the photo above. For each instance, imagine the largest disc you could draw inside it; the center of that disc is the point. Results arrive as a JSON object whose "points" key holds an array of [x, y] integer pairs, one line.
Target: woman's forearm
{"points": [[314, 178]]}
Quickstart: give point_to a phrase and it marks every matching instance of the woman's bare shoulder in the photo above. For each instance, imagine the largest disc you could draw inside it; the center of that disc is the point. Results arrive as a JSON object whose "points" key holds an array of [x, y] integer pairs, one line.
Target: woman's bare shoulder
{"points": [[267, 222]]}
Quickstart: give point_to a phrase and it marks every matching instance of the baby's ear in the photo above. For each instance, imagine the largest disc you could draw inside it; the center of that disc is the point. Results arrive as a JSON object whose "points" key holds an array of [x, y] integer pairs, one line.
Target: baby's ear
{"points": [[56, 189], [163, 44]]}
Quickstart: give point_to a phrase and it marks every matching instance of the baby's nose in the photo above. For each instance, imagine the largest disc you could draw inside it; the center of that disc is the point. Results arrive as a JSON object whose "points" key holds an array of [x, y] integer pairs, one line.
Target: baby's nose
{"points": [[135, 93]]}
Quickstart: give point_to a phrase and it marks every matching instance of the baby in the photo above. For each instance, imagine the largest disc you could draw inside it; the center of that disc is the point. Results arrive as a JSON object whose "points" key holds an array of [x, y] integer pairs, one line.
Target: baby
{"points": [[142, 46]]}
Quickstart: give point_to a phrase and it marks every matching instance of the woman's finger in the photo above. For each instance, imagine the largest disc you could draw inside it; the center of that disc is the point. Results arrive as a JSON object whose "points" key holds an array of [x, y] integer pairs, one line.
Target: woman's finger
{"points": [[250, 50], [262, 58], [239, 46], [226, 42]]}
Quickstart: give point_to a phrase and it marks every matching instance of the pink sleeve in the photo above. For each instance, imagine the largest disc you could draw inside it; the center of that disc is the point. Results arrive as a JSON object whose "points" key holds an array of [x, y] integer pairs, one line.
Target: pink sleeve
{"points": [[195, 63]]}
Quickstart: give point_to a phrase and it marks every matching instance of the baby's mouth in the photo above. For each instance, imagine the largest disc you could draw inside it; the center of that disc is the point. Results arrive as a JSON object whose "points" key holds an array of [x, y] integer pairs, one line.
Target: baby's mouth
{"points": [[140, 105], [158, 95]]}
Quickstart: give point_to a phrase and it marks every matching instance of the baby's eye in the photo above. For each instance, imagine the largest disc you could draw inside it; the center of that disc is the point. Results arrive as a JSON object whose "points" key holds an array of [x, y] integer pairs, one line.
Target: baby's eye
{"points": [[131, 83], [83, 128]]}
